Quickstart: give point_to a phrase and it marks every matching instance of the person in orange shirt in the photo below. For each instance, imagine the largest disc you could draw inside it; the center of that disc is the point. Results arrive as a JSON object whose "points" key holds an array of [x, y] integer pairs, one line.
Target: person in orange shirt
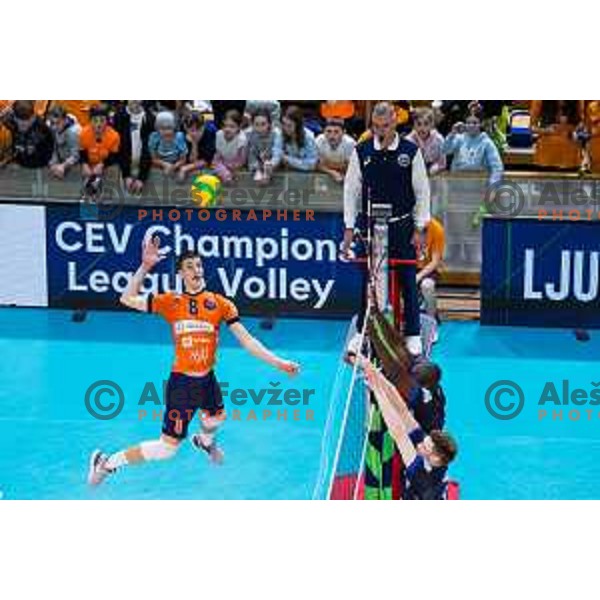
{"points": [[195, 317], [99, 144], [429, 263], [80, 109], [592, 123], [5, 135]]}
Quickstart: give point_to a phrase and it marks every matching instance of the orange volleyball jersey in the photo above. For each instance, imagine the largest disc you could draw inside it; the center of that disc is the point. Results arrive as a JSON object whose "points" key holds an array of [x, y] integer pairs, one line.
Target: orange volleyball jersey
{"points": [[195, 320]]}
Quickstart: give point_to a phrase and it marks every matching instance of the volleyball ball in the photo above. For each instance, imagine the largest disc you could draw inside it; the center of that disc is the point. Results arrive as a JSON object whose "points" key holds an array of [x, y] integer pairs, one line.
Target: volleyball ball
{"points": [[205, 190]]}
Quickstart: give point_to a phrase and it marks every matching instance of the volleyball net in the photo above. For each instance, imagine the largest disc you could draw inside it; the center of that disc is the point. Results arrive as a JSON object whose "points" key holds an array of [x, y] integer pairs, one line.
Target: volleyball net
{"points": [[359, 459]]}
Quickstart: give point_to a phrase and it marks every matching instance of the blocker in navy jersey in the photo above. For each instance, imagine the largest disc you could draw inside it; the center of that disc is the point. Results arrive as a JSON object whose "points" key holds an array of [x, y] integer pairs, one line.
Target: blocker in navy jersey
{"points": [[423, 481]]}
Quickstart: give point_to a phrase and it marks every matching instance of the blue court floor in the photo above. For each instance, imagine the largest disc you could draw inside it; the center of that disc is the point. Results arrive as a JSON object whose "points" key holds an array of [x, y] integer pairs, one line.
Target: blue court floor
{"points": [[525, 457], [46, 433]]}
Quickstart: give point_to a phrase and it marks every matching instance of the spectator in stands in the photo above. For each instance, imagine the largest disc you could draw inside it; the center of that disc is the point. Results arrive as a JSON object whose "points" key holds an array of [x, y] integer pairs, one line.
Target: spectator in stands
{"points": [[222, 107], [231, 147], [273, 107], [200, 138], [549, 114], [157, 106], [429, 263], [403, 116], [134, 126], [299, 147], [265, 147], [202, 107], [5, 135], [78, 109], [168, 149], [65, 132], [352, 112], [335, 148], [555, 122], [31, 138], [472, 149], [449, 113], [429, 140], [592, 124], [99, 144]]}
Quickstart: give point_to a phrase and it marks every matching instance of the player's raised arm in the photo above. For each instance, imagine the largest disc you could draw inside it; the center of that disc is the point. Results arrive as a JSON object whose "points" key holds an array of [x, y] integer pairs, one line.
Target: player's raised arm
{"points": [[394, 411], [250, 343], [151, 256], [391, 396]]}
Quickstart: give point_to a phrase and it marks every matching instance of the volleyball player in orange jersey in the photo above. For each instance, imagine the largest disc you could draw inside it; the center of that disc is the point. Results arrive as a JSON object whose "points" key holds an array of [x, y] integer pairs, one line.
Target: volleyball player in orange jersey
{"points": [[195, 317]]}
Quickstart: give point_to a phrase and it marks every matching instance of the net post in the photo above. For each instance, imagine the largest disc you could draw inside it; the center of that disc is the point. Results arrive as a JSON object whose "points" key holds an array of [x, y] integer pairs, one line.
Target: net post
{"points": [[380, 449]]}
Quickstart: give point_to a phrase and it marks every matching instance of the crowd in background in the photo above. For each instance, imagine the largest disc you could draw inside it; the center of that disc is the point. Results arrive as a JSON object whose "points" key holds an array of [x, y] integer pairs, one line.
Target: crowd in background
{"points": [[181, 138]]}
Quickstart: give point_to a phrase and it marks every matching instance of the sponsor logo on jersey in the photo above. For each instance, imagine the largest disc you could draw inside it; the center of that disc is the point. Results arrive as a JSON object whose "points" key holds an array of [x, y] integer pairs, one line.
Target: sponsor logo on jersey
{"points": [[210, 304], [193, 326], [404, 160]]}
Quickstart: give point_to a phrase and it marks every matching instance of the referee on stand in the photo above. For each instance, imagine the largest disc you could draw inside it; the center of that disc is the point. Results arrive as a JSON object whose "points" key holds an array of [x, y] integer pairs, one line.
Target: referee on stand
{"points": [[388, 169]]}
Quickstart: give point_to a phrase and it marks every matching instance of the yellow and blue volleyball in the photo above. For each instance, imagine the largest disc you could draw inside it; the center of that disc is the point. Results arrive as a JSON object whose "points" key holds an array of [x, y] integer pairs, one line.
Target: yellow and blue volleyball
{"points": [[206, 190]]}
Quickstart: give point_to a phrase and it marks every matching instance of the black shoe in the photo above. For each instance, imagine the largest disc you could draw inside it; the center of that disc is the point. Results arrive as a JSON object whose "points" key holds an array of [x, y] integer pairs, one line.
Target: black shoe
{"points": [[213, 451]]}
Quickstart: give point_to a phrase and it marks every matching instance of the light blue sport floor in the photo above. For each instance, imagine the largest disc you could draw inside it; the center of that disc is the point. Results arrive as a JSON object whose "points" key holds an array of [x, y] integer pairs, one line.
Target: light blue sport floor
{"points": [[46, 434], [522, 458]]}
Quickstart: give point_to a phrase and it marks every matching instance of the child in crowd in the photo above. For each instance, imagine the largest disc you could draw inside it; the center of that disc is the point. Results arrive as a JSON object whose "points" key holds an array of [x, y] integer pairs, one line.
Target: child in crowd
{"points": [[335, 148], [299, 147], [200, 139], [472, 149], [99, 145], [429, 140], [65, 133], [265, 147], [167, 146], [273, 107], [232, 147]]}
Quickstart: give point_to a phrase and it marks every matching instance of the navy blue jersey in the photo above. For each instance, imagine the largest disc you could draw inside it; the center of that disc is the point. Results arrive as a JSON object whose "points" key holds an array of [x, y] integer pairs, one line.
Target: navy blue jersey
{"points": [[428, 408], [422, 481]]}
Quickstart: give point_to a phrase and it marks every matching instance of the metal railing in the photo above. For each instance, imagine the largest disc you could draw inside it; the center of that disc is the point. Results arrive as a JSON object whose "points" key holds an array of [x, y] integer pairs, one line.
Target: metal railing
{"points": [[458, 200]]}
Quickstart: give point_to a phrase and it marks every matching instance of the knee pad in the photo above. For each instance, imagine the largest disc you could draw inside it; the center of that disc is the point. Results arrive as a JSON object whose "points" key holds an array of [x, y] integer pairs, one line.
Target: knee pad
{"points": [[157, 450]]}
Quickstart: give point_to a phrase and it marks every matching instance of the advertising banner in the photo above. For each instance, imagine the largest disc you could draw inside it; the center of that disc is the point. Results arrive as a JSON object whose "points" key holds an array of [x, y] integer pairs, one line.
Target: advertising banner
{"points": [[540, 273], [282, 263]]}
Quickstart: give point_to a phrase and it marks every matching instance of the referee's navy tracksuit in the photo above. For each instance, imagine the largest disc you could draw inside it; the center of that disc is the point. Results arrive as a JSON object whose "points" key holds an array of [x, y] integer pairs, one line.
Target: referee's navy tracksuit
{"points": [[387, 178]]}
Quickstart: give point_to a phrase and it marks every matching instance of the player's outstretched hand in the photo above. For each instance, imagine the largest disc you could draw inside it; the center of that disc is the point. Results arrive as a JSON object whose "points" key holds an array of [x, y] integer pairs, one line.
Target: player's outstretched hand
{"points": [[151, 254], [290, 367], [371, 373]]}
